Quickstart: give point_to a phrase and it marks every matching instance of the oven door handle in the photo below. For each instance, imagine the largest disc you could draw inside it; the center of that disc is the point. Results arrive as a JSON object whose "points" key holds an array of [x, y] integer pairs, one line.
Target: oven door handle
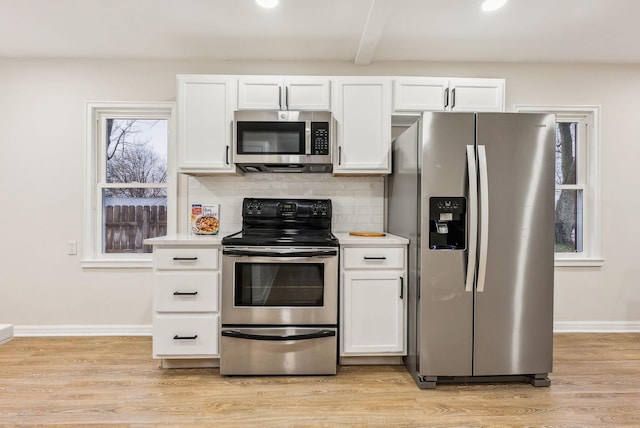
{"points": [[315, 335], [260, 253]]}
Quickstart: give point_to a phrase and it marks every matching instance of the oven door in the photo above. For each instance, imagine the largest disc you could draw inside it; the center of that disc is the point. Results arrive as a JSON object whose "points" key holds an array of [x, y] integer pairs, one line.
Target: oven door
{"points": [[279, 286]]}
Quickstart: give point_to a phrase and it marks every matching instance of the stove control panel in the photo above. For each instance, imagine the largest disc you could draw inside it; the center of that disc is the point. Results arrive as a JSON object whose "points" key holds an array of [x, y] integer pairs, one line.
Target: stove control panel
{"points": [[286, 208], [320, 209]]}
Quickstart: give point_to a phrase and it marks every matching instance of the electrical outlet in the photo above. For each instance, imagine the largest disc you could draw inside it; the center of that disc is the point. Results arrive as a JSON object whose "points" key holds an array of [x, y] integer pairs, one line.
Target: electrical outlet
{"points": [[72, 248]]}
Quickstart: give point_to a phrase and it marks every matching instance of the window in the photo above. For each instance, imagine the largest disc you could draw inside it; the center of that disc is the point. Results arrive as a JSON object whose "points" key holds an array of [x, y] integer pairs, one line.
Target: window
{"points": [[130, 190], [577, 226]]}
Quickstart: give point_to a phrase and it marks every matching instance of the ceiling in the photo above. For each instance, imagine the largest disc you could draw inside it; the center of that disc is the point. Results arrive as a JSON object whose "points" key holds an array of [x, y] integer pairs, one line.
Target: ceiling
{"points": [[359, 31]]}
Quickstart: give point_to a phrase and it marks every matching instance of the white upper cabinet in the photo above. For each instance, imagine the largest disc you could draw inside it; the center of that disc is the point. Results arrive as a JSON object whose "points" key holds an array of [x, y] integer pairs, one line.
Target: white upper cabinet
{"points": [[362, 110], [205, 119], [416, 94], [476, 94], [277, 93]]}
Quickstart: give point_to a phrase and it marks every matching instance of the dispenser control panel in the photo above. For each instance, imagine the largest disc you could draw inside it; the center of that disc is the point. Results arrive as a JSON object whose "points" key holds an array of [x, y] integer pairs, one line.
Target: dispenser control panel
{"points": [[448, 205], [448, 223]]}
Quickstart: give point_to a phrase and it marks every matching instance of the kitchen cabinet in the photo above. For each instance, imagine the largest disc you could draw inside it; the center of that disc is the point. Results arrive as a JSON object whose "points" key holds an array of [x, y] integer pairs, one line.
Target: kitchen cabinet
{"points": [[278, 93], [373, 312], [205, 121], [186, 317], [362, 110], [416, 94]]}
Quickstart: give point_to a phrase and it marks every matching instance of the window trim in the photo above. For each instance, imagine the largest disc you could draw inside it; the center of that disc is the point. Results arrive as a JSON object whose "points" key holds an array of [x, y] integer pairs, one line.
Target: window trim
{"points": [[592, 222], [92, 256]]}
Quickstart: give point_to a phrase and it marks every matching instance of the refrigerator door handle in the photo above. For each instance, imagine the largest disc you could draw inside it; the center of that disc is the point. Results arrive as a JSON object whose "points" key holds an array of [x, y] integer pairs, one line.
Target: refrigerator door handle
{"points": [[484, 217], [473, 217]]}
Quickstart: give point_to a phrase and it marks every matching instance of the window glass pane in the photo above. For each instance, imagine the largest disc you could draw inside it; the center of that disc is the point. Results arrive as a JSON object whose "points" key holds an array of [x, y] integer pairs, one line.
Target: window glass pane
{"points": [[131, 215], [136, 151], [568, 221], [566, 152]]}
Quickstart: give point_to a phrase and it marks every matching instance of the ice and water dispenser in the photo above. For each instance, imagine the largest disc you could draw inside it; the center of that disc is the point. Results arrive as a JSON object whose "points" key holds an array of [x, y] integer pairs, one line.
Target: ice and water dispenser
{"points": [[447, 223]]}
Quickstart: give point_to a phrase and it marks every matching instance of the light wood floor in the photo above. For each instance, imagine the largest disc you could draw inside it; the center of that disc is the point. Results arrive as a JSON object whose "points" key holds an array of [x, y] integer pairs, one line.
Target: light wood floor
{"points": [[107, 381]]}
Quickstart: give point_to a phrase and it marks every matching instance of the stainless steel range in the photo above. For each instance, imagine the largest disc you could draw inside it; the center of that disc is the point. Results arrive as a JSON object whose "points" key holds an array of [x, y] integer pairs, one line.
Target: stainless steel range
{"points": [[280, 290]]}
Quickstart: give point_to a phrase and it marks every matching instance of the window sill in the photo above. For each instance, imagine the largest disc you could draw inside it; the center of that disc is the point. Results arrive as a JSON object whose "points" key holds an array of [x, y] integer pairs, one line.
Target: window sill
{"points": [[116, 264], [581, 262]]}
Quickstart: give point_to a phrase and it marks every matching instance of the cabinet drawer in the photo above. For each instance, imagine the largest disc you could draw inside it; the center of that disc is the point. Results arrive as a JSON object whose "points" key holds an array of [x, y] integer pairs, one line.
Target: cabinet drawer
{"points": [[185, 335], [373, 258], [185, 258], [186, 291]]}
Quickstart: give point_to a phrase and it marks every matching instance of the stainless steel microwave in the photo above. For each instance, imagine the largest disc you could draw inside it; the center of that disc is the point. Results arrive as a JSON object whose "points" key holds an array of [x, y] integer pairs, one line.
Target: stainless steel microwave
{"points": [[283, 141]]}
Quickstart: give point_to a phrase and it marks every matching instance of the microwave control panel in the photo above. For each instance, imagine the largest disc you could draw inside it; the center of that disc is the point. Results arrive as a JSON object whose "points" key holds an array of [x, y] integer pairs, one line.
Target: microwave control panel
{"points": [[319, 138]]}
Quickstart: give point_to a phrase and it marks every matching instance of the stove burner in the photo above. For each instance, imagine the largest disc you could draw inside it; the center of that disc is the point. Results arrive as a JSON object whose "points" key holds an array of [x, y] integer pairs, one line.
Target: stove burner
{"points": [[291, 222]]}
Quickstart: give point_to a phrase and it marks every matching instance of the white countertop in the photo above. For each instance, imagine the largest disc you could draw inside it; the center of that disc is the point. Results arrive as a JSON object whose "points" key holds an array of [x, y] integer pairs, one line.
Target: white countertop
{"points": [[343, 237], [185, 239], [388, 239]]}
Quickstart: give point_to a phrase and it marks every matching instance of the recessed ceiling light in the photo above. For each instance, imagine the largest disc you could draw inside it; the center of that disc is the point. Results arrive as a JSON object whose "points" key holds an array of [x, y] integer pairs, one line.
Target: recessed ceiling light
{"points": [[490, 5], [267, 3]]}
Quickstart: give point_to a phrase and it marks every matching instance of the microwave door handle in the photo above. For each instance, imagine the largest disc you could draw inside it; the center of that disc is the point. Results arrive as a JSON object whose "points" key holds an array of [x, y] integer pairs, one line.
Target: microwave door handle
{"points": [[307, 137]]}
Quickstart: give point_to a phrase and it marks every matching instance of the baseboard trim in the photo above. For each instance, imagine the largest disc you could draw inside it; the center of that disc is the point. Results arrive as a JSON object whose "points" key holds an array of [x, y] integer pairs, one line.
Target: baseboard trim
{"points": [[596, 327], [6, 333], [82, 330], [146, 330]]}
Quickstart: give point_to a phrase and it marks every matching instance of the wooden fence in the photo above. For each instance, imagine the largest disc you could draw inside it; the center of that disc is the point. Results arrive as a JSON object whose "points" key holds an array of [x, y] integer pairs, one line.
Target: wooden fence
{"points": [[126, 226]]}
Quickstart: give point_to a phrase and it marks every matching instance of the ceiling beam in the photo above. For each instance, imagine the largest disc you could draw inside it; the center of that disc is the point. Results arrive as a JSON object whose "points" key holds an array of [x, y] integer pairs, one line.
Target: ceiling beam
{"points": [[379, 14]]}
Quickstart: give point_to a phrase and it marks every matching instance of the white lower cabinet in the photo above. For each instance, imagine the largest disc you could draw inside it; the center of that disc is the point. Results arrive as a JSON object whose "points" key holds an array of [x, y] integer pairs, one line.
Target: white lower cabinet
{"points": [[373, 302], [191, 335], [186, 318]]}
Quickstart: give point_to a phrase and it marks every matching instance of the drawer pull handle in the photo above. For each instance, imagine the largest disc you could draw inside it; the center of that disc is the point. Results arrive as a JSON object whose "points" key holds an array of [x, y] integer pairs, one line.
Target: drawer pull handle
{"points": [[182, 259], [315, 335], [375, 258], [182, 293], [176, 337]]}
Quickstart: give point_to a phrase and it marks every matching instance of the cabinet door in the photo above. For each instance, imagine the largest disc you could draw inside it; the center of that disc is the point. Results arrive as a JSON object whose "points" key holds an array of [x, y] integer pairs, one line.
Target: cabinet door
{"points": [[260, 93], [362, 110], [307, 94], [373, 258], [176, 335], [186, 291], [415, 94], [373, 313], [275, 93], [185, 258], [477, 94], [205, 120]]}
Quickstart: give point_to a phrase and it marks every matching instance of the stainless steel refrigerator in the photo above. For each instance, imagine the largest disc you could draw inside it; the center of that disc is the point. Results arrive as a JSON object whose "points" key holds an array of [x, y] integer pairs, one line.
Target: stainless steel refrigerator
{"points": [[474, 193]]}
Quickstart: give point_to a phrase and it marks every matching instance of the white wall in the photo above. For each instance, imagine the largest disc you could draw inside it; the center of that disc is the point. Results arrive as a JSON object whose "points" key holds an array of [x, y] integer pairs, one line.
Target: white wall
{"points": [[42, 115]]}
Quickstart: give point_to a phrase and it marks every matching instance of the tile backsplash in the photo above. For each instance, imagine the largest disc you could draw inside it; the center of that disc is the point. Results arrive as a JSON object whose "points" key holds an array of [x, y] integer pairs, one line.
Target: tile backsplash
{"points": [[358, 202]]}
